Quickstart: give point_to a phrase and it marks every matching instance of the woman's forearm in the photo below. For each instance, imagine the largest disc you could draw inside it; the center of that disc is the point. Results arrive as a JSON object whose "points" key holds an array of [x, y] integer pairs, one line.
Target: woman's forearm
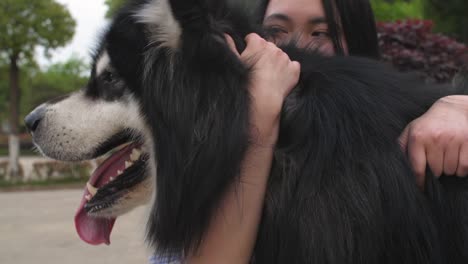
{"points": [[233, 230]]}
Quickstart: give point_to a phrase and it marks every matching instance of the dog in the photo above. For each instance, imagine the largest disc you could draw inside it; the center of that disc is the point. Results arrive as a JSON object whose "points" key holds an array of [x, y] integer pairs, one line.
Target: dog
{"points": [[170, 100], [460, 81]]}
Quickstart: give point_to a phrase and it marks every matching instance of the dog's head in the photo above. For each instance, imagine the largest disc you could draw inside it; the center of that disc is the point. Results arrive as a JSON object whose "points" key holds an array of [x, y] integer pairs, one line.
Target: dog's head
{"points": [[138, 72], [103, 118]]}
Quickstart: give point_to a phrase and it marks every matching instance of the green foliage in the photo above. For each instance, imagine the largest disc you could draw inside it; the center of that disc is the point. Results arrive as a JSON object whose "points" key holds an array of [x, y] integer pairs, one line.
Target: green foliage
{"points": [[450, 17], [26, 24], [391, 10], [113, 6], [38, 86], [58, 79]]}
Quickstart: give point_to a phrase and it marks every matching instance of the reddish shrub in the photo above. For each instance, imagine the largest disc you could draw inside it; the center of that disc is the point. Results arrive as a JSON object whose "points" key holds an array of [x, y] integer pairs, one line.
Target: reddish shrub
{"points": [[412, 46]]}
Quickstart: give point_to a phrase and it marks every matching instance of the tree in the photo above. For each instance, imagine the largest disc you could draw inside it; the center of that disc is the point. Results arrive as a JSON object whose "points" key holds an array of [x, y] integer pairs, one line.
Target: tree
{"points": [[25, 25], [39, 85], [113, 6], [3, 90], [58, 79]]}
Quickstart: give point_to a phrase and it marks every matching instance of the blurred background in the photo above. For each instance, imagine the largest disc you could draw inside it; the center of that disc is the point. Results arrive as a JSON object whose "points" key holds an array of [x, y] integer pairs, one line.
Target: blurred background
{"points": [[45, 48]]}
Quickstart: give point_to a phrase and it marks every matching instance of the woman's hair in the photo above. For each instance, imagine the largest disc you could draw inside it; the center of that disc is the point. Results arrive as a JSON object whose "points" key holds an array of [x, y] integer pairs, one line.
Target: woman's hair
{"points": [[353, 18]]}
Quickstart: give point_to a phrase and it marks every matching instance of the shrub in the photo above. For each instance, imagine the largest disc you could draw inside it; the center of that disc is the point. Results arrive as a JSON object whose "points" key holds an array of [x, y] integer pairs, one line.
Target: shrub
{"points": [[397, 9], [450, 17], [412, 46]]}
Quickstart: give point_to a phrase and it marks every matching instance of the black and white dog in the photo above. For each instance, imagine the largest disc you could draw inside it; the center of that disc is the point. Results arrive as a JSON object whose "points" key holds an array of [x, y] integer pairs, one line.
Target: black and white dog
{"points": [[166, 86]]}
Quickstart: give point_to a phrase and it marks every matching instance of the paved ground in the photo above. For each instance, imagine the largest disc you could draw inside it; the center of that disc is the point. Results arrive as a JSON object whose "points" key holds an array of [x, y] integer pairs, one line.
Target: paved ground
{"points": [[37, 227]]}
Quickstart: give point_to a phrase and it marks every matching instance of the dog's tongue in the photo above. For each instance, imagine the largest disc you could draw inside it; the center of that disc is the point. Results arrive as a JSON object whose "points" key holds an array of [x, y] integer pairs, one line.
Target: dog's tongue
{"points": [[95, 230]]}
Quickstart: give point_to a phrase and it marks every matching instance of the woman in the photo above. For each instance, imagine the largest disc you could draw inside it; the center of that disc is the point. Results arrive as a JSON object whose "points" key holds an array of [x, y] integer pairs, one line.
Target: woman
{"points": [[439, 138]]}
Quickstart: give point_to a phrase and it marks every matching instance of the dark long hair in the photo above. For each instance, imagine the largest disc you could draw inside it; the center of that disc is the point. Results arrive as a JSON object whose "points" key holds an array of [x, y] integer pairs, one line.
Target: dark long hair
{"points": [[353, 18]]}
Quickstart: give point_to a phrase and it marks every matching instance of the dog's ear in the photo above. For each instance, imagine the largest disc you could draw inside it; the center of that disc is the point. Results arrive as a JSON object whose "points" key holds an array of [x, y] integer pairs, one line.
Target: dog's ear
{"points": [[166, 20], [161, 22]]}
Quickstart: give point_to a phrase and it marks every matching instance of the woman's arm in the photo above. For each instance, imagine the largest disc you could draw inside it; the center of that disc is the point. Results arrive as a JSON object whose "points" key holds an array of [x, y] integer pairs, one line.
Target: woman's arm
{"points": [[439, 139], [233, 230], [232, 233]]}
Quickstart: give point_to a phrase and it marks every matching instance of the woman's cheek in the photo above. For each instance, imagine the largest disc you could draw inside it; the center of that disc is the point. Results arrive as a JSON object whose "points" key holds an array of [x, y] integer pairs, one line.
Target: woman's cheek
{"points": [[327, 49]]}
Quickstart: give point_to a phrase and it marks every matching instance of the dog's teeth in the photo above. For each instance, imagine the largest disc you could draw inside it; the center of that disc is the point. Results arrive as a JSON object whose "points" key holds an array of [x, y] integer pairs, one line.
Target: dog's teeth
{"points": [[91, 189], [88, 197], [112, 178], [128, 164], [136, 153], [119, 172]]}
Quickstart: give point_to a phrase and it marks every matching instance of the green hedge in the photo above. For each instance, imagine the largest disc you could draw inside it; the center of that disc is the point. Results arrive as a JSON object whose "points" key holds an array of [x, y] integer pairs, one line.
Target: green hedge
{"points": [[398, 9]]}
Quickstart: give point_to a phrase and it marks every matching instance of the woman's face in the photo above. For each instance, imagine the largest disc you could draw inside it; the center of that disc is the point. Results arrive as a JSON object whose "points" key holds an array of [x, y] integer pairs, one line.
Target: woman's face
{"points": [[303, 20]]}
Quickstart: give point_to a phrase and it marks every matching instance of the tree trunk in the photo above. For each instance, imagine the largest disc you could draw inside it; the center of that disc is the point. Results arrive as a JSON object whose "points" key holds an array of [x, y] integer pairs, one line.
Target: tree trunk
{"points": [[14, 118]]}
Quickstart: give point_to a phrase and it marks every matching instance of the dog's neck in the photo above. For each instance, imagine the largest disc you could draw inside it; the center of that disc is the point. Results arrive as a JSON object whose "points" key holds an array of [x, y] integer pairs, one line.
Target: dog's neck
{"points": [[460, 81]]}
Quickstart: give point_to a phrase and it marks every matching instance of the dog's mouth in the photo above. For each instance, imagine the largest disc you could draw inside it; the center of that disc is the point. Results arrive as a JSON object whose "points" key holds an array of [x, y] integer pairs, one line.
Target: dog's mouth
{"points": [[114, 178]]}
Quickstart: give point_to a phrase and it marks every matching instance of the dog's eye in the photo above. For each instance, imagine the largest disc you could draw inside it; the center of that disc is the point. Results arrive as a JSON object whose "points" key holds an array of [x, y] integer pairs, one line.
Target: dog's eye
{"points": [[108, 76]]}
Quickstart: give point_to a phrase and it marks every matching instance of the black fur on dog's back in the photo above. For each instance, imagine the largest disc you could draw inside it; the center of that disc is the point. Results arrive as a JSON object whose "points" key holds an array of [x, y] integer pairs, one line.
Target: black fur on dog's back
{"points": [[340, 190]]}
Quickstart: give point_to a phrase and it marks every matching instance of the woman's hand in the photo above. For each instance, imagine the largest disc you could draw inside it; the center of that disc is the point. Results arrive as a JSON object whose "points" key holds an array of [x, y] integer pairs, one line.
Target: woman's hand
{"points": [[274, 76], [439, 138]]}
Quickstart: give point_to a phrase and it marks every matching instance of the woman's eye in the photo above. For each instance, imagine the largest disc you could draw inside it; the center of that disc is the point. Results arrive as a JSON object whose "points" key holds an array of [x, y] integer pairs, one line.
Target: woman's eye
{"points": [[279, 30], [323, 34], [275, 31]]}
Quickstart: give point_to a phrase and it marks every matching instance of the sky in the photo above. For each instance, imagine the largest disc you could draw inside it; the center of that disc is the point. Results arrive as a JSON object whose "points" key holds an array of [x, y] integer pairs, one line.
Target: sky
{"points": [[90, 21]]}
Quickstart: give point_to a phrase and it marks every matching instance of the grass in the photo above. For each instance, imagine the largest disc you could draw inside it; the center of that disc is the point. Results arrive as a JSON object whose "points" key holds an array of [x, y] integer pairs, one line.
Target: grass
{"points": [[24, 152]]}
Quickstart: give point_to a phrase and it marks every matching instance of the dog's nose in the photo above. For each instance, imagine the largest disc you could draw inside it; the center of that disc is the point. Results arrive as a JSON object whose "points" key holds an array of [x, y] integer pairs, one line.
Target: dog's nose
{"points": [[34, 118]]}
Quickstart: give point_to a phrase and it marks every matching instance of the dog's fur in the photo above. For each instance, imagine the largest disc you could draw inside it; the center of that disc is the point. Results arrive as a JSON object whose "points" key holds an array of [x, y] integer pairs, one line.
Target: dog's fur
{"points": [[461, 78], [340, 190]]}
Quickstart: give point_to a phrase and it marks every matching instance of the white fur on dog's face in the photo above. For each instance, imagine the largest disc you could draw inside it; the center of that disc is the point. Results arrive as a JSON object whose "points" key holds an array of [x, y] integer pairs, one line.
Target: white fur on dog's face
{"points": [[74, 128]]}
